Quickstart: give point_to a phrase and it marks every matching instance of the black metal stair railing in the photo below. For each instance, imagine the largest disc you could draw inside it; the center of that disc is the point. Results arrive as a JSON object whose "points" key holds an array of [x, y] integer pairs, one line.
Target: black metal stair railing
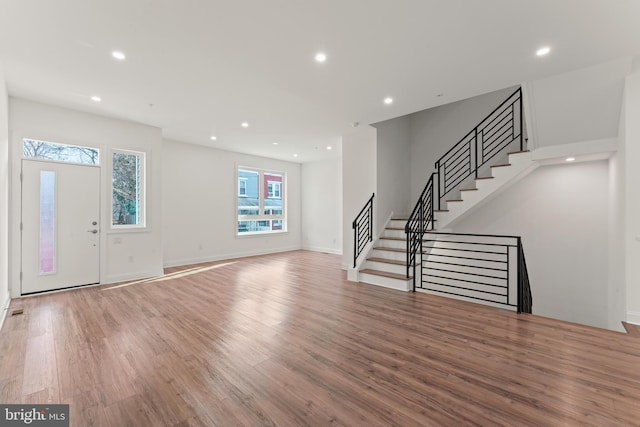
{"points": [[420, 220], [496, 133], [362, 229], [477, 267]]}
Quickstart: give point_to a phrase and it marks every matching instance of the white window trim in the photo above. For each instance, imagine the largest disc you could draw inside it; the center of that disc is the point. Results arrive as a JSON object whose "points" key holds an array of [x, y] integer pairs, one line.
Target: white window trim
{"points": [[142, 189], [261, 217]]}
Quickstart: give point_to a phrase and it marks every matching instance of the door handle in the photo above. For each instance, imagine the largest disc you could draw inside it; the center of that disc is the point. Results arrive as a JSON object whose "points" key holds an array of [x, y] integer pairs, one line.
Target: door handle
{"points": [[92, 231]]}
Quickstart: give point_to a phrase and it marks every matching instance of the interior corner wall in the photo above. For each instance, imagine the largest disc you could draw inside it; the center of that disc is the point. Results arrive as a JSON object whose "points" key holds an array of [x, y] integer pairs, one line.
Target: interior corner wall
{"points": [[561, 212], [631, 147], [322, 206], [359, 164], [393, 175], [616, 299], [4, 197], [199, 193], [436, 130], [125, 254]]}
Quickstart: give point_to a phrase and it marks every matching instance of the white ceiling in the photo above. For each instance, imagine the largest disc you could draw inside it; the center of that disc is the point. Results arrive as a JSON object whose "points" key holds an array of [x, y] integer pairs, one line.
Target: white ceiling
{"points": [[200, 67]]}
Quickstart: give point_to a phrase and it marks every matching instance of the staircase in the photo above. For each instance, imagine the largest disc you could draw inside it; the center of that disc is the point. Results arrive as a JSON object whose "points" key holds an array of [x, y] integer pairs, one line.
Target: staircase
{"points": [[484, 163]]}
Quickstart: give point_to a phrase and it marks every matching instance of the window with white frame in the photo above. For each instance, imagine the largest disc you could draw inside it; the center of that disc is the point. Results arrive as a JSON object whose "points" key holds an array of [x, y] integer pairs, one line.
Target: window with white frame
{"points": [[128, 189], [261, 201]]}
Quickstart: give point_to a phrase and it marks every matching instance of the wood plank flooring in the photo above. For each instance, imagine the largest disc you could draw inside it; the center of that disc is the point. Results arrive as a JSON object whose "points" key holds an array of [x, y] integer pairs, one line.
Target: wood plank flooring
{"points": [[285, 340]]}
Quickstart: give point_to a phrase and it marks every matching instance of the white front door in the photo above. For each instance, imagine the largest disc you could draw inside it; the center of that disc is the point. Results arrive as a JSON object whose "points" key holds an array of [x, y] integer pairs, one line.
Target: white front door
{"points": [[60, 225]]}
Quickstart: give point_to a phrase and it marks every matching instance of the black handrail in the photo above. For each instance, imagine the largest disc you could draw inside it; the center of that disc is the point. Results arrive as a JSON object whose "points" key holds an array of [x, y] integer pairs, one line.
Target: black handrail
{"points": [[479, 267], [363, 229]]}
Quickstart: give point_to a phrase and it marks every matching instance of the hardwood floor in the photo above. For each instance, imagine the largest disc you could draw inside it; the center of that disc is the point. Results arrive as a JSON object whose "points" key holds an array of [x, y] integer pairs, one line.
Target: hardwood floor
{"points": [[285, 340]]}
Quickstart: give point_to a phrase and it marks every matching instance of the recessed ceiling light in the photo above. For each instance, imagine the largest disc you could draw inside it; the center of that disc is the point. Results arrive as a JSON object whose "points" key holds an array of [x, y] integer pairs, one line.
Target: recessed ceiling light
{"points": [[275, 143], [213, 137], [321, 57], [329, 147], [543, 51], [244, 124], [96, 98], [295, 155], [120, 56], [570, 159], [388, 100]]}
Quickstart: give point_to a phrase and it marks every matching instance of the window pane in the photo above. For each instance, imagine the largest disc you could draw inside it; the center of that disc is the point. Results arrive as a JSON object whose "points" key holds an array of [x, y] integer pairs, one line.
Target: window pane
{"points": [[273, 194], [35, 149], [47, 221], [254, 226], [127, 189], [248, 203]]}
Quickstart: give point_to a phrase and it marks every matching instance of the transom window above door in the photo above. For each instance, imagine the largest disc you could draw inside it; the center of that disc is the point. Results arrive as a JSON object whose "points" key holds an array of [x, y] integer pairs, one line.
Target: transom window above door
{"points": [[45, 150]]}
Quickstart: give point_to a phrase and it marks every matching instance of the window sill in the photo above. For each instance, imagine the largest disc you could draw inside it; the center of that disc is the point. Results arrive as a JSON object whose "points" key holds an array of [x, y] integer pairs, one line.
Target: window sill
{"points": [[260, 233]]}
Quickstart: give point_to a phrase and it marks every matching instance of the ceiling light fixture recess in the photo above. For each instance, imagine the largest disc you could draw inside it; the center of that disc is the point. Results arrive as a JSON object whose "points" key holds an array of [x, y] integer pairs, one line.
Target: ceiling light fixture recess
{"points": [[388, 100], [295, 155], [275, 143], [570, 159], [244, 124], [213, 137], [96, 98], [543, 51], [120, 56], [321, 57]]}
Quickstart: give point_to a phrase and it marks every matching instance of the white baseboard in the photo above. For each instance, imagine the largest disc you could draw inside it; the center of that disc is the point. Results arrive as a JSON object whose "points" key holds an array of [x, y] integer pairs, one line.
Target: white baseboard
{"points": [[633, 317], [324, 250], [221, 257], [5, 310], [132, 276]]}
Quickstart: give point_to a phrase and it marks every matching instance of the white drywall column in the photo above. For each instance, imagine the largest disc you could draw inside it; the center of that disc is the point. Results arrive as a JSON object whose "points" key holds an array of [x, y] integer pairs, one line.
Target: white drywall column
{"points": [[4, 196], [631, 148], [322, 206], [393, 174], [359, 164]]}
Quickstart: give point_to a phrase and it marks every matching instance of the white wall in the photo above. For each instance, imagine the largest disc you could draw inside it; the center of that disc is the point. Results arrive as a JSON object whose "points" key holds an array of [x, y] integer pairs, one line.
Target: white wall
{"points": [[4, 197], [125, 254], [436, 130], [393, 175], [580, 105], [199, 191], [322, 206], [631, 142], [358, 182], [561, 212]]}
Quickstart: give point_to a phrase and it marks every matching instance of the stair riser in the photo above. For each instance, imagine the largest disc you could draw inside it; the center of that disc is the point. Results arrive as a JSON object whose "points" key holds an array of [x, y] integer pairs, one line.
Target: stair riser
{"points": [[393, 233], [386, 282], [398, 256], [397, 244], [396, 223], [383, 266]]}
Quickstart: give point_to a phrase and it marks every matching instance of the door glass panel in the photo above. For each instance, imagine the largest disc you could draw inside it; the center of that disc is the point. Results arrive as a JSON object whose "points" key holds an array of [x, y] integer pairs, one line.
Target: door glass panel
{"points": [[47, 221]]}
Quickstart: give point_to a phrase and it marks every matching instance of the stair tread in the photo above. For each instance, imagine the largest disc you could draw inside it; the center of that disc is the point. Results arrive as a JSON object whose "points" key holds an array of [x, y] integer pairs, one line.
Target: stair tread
{"points": [[484, 177], [502, 165], [394, 228], [387, 261], [455, 200], [384, 248], [392, 238], [468, 189], [441, 210], [384, 274], [518, 152]]}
